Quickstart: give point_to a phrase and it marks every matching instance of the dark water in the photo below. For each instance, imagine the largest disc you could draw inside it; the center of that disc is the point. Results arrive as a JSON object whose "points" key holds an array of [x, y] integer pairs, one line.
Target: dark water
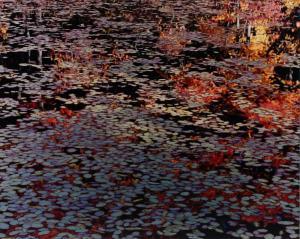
{"points": [[149, 119]]}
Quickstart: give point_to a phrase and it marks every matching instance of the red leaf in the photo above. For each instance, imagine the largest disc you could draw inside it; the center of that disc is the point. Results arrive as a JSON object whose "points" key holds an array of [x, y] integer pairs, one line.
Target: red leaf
{"points": [[52, 121], [52, 234], [161, 196], [67, 112], [210, 194], [216, 159], [230, 151], [251, 218], [277, 162], [38, 185], [58, 213]]}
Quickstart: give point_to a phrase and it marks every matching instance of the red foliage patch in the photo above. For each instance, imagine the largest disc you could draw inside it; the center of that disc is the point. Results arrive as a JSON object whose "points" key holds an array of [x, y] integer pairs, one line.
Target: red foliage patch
{"points": [[210, 193], [194, 87], [67, 112], [216, 159], [277, 161], [58, 213], [251, 218], [52, 121], [38, 185]]}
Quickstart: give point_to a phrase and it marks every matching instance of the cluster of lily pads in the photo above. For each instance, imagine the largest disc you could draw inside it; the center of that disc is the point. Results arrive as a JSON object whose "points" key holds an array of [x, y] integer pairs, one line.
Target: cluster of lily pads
{"points": [[137, 119]]}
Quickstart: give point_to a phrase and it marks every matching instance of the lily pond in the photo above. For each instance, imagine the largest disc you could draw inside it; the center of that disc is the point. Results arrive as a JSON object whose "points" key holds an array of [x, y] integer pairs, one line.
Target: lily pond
{"points": [[163, 119]]}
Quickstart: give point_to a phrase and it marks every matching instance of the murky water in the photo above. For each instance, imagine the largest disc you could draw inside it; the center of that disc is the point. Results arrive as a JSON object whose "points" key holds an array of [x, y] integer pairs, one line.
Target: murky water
{"points": [[149, 119]]}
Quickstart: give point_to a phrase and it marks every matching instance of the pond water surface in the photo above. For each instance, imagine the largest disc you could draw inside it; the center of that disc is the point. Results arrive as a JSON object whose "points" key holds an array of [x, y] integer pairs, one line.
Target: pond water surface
{"points": [[149, 119]]}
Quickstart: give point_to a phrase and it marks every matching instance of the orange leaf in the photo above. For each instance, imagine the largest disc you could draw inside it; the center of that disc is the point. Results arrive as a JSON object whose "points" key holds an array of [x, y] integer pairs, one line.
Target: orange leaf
{"points": [[52, 121]]}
